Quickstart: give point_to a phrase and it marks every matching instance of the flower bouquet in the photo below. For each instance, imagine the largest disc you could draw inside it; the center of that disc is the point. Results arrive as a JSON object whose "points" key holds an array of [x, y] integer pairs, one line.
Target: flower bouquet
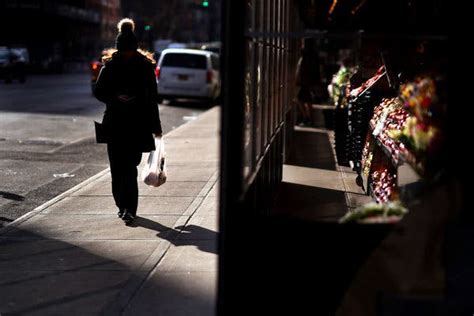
{"points": [[421, 134]]}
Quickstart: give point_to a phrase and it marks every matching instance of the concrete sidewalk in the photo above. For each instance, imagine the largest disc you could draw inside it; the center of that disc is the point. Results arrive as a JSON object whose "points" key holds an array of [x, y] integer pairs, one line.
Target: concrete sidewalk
{"points": [[73, 256], [314, 187]]}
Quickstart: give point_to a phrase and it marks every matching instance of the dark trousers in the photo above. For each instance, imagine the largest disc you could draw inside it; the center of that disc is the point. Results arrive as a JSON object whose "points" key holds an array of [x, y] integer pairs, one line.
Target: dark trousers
{"points": [[123, 167]]}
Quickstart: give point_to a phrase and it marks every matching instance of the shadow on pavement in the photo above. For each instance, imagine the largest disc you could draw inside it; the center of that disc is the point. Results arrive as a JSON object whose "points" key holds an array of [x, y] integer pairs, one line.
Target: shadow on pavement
{"points": [[48, 276], [311, 149], [309, 203], [11, 196], [184, 235], [84, 277]]}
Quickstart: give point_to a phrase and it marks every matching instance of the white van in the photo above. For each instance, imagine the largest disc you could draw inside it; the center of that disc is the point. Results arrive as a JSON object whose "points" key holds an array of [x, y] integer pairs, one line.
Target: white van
{"points": [[188, 73]]}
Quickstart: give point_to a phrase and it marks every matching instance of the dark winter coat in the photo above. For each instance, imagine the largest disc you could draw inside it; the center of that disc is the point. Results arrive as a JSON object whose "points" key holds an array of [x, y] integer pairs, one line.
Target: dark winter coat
{"points": [[131, 124]]}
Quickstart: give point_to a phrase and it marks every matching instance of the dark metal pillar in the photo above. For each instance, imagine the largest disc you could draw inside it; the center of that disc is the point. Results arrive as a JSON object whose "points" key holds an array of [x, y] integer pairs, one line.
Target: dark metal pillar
{"points": [[232, 123]]}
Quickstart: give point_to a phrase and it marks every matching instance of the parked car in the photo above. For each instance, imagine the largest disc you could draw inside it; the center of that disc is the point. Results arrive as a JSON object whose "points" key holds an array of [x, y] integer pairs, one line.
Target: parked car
{"points": [[13, 63], [188, 73]]}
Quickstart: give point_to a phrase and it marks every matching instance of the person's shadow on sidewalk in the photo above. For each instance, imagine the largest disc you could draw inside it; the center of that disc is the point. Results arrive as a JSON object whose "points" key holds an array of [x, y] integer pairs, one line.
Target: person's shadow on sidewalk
{"points": [[184, 235]]}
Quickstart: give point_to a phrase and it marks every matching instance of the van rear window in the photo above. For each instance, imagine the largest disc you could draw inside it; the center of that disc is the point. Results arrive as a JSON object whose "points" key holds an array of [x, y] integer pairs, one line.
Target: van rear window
{"points": [[184, 61]]}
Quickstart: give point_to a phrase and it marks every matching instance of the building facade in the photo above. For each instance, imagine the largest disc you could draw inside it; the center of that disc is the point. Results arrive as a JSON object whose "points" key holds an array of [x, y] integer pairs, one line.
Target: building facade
{"points": [[187, 21], [59, 34]]}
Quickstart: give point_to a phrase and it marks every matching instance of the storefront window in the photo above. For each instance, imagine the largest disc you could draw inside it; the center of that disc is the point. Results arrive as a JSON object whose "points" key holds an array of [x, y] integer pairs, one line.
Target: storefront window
{"points": [[264, 79]]}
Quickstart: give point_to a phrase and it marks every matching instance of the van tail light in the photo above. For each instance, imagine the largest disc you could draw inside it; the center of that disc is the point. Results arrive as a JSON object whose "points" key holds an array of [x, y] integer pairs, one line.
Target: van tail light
{"points": [[95, 66], [209, 76], [157, 72]]}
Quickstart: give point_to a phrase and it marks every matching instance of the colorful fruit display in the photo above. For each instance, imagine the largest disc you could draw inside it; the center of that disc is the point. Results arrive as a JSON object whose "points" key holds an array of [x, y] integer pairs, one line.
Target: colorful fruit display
{"points": [[403, 129], [383, 185]]}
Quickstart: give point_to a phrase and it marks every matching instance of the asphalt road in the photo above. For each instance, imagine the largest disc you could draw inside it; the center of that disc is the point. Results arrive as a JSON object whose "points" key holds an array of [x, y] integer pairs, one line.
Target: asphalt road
{"points": [[47, 143]]}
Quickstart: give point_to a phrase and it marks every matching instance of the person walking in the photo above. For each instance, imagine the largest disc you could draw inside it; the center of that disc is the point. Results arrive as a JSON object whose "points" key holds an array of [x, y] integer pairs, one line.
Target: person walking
{"points": [[308, 77], [127, 86]]}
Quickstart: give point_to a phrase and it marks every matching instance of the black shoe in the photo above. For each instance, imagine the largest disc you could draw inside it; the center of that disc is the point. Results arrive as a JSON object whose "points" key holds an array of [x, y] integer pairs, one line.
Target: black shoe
{"points": [[121, 212], [128, 218]]}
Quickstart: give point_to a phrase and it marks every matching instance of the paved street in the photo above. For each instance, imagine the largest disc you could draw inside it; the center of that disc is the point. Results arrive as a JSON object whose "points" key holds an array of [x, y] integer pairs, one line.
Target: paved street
{"points": [[47, 138]]}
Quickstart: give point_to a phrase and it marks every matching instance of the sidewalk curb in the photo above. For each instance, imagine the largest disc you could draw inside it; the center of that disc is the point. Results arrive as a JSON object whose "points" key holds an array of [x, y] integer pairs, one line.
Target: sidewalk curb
{"points": [[54, 200], [7, 228]]}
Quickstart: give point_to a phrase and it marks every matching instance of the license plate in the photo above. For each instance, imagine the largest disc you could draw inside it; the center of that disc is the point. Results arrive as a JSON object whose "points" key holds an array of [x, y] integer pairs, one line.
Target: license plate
{"points": [[183, 77]]}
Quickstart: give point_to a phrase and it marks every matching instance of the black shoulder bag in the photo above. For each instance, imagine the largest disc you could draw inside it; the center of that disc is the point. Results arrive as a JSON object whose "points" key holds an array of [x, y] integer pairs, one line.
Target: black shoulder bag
{"points": [[101, 133]]}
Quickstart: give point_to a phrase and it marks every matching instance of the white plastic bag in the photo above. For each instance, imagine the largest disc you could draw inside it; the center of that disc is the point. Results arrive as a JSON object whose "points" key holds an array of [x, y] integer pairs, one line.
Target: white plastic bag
{"points": [[154, 171]]}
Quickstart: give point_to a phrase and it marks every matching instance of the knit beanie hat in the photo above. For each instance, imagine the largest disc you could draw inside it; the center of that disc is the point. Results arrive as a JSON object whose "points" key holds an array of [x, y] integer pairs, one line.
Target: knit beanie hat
{"points": [[126, 39]]}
